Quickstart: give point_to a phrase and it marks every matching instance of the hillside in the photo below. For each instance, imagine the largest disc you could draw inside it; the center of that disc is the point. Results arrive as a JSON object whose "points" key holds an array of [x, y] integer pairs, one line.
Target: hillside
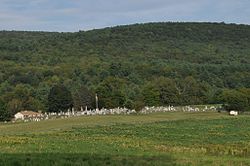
{"points": [[133, 65]]}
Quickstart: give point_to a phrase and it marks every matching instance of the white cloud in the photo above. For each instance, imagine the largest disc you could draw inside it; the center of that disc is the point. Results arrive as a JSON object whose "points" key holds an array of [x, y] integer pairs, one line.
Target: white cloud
{"points": [[72, 15]]}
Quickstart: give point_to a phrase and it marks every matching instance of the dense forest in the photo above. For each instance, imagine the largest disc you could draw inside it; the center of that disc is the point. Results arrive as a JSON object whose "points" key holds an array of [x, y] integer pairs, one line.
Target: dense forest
{"points": [[132, 66]]}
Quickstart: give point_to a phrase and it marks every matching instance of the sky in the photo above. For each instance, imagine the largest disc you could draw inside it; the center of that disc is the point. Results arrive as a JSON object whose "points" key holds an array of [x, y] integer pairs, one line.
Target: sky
{"points": [[75, 15]]}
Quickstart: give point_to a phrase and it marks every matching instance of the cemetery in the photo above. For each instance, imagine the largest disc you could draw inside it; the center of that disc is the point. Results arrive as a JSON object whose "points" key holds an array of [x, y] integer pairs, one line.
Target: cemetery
{"points": [[27, 116]]}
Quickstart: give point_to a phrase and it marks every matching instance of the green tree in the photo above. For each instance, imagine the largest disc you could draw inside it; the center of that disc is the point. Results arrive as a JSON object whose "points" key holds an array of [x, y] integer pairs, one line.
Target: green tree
{"points": [[21, 98], [83, 97], [59, 99], [168, 92], [151, 95], [14, 106], [235, 100], [111, 92], [191, 91]]}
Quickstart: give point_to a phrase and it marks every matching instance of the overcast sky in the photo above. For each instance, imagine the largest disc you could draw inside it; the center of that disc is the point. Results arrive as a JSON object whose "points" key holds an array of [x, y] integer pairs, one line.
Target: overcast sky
{"points": [[75, 15]]}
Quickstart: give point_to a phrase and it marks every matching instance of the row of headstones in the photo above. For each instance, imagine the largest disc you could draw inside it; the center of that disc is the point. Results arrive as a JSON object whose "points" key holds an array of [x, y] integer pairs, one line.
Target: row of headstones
{"points": [[173, 109], [86, 112], [35, 119], [118, 111], [127, 111], [157, 109], [196, 109]]}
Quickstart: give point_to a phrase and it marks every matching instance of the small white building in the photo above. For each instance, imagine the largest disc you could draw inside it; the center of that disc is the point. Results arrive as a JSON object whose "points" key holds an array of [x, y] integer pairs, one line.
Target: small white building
{"points": [[27, 115]]}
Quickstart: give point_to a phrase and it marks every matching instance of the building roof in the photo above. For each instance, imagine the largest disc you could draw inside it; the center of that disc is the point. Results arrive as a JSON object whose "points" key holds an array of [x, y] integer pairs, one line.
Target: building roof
{"points": [[30, 113]]}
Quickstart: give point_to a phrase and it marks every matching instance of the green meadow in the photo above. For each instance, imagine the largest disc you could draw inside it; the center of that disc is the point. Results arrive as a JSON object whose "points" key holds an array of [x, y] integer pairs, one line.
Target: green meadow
{"points": [[176, 138]]}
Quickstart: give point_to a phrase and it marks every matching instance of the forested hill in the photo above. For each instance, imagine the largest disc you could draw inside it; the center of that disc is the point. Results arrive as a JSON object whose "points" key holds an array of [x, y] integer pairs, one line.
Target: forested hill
{"points": [[133, 65]]}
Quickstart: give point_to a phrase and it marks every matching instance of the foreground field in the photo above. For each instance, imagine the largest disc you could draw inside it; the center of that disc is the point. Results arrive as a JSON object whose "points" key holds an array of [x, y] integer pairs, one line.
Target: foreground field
{"points": [[157, 139]]}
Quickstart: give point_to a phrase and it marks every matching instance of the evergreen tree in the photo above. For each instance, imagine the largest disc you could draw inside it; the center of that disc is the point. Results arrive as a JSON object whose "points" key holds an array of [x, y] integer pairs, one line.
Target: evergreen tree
{"points": [[59, 99], [4, 114]]}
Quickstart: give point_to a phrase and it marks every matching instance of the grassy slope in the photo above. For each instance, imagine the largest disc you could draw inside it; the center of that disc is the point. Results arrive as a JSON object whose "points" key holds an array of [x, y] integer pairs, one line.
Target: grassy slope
{"points": [[158, 139], [91, 121]]}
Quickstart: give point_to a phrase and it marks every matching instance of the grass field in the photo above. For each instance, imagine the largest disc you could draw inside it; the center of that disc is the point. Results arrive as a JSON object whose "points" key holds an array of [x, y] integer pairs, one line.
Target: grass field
{"points": [[157, 139]]}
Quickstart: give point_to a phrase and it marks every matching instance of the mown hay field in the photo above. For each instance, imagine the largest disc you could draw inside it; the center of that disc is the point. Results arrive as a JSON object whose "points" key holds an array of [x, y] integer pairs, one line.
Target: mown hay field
{"points": [[174, 138]]}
